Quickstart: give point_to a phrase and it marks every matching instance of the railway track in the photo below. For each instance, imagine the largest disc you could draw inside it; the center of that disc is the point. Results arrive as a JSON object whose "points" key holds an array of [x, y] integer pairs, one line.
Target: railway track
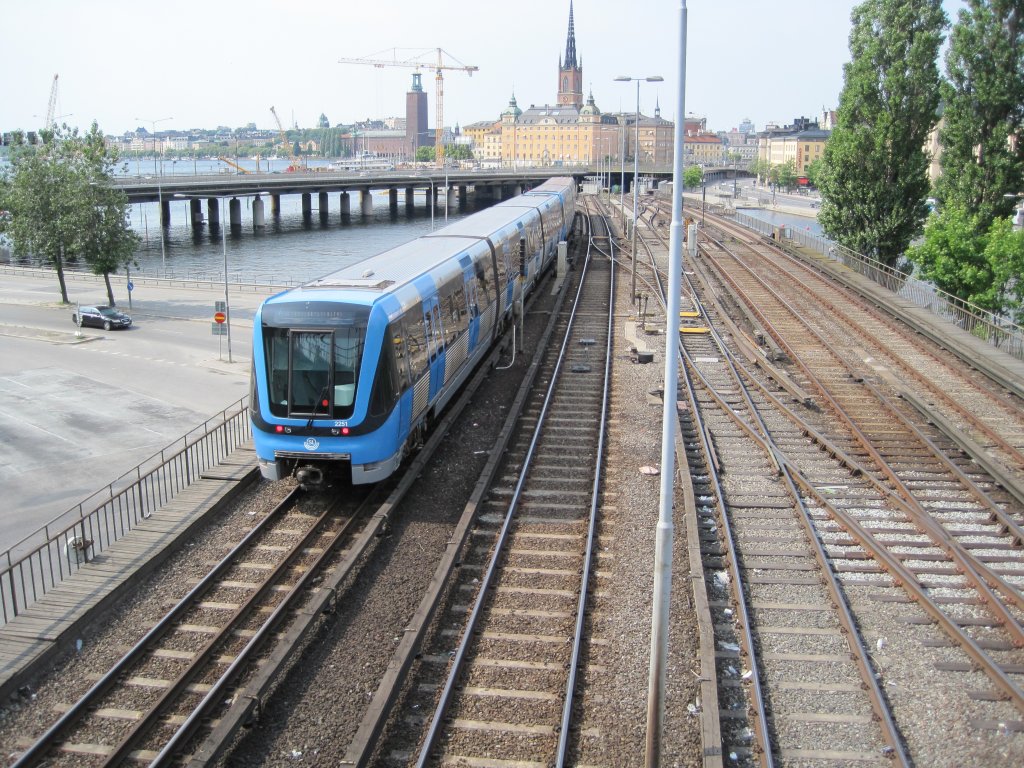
{"points": [[181, 672], [499, 677], [819, 510]]}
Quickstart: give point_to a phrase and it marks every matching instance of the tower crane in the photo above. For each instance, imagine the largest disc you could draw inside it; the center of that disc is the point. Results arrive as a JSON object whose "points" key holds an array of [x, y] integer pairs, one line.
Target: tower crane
{"points": [[296, 160], [416, 62], [51, 109]]}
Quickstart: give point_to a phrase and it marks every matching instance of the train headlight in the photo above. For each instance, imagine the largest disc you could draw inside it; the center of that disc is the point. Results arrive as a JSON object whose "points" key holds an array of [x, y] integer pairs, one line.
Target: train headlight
{"points": [[344, 430]]}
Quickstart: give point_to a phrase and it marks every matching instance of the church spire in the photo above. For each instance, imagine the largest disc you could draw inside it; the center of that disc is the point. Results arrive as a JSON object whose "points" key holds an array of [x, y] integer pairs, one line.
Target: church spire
{"points": [[570, 44], [570, 71]]}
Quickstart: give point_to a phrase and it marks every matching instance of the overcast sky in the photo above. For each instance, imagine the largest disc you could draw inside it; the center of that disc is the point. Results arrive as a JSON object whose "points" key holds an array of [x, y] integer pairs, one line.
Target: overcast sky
{"points": [[125, 64]]}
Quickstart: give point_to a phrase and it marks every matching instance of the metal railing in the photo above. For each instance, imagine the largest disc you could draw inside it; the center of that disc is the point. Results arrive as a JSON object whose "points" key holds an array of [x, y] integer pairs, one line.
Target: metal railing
{"points": [[43, 560], [997, 331]]}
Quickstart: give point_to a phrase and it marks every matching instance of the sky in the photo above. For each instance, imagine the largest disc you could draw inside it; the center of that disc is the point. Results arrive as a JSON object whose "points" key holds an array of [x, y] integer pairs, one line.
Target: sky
{"points": [[202, 65]]}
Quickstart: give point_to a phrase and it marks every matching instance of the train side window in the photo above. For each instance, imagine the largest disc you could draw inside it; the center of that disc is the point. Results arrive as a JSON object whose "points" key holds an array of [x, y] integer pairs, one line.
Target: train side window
{"points": [[471, 299], [437, 328], [522, 257], [416, 341], [396, 332]]}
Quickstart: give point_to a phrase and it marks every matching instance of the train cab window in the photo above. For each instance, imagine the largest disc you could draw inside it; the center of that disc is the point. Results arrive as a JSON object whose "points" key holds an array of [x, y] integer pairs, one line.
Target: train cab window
{"points": [[310, 379], [312, 354]]}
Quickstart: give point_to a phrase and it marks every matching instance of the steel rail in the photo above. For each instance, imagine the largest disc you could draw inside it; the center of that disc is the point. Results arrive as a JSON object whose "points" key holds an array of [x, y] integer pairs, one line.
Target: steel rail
{"points": [[760, 720], [762, 436], [80, 708], [966, 561], [894, 566], [485, 583], [570, 687], [949, 403], [141, 727], [360, 750]]}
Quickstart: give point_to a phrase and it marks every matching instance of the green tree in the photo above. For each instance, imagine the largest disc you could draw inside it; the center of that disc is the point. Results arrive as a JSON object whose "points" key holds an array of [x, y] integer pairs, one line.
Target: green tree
{"points": [[875, 178], [61, 206], [983, 100], [424, 154], [693, 176], [785, 174], [813, 171], [42, 193], [108, 243], [979, 264]]}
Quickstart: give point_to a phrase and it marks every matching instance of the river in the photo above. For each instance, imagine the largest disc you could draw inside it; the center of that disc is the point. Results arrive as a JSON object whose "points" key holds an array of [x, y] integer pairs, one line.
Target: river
{"points": [[287, 250]]}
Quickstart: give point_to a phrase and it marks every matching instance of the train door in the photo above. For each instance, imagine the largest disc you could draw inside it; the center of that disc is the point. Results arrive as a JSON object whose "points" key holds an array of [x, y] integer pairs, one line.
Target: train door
{"points": [[434, 331]]}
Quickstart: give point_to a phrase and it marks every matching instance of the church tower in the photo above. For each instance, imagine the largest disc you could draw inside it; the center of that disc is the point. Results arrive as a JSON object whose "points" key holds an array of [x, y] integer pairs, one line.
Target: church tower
{"points": [[570, 72]]}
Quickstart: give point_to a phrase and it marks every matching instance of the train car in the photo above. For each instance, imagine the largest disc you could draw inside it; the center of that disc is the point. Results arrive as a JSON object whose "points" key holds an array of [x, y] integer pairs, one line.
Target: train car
{"points": [[349, 369]]}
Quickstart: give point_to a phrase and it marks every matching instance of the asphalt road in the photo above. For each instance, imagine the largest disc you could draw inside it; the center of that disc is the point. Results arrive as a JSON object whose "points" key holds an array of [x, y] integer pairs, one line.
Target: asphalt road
{"points": [[78, 412]]}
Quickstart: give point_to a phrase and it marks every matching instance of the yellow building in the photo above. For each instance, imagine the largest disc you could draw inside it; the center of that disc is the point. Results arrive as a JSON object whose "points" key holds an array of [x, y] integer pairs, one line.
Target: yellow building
{"points": [[571, 132]]}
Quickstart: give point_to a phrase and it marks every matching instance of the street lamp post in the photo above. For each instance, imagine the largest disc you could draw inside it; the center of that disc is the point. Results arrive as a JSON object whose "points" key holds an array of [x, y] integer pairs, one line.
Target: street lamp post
{"points": [[159, 191], [636, 166], [224, 248]]}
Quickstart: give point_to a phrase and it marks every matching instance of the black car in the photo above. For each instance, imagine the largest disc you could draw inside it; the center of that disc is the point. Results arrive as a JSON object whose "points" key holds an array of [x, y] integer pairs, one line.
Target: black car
{"points": [[102, 317]]}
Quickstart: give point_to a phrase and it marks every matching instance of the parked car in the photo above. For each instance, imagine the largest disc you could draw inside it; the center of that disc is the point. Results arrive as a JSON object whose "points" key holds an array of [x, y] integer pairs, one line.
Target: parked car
{"points": [[102, 317]]}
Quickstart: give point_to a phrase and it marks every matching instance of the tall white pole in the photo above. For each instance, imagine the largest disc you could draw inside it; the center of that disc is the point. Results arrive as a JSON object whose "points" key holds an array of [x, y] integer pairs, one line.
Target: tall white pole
{"points": [[224, 221], [636, 176], [663, 544]]}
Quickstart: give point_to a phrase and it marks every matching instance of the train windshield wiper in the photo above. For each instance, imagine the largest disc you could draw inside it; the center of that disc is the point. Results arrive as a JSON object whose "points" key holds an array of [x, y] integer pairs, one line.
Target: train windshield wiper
{"points": [[316, 405]]}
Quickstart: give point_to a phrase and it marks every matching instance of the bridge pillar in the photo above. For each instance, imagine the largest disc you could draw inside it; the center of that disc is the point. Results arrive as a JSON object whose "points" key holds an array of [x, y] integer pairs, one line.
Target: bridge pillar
{"points": [[235, 212], [275, 206], [346, 203], [410, 197], [431, 197], [307, 205], [213, 211], [165, 213], [463, 195], [195, 209], [393, 199], [257, 213], [324, 205], [366, 202]]}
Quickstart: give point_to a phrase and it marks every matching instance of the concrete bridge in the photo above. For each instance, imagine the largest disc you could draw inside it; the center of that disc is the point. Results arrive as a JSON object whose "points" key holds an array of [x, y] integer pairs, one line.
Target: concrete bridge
{"points": [[492, 184]]}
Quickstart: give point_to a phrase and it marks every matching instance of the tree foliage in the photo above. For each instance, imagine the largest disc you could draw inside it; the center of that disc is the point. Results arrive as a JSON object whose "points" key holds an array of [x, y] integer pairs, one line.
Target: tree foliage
{"points": [[983, 100], [977, 263], [62, 207], [875, 178], [814, 170], [693, 176]]}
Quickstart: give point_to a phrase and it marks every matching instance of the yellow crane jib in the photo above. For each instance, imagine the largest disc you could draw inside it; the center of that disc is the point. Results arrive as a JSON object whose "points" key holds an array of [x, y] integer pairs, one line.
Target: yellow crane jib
{"points": [[417, 62]]}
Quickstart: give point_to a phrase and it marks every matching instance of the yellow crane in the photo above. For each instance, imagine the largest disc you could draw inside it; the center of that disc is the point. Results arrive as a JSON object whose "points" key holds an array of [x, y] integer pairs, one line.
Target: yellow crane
{"points": [[51, 107], [297, 163], [416, 62]]}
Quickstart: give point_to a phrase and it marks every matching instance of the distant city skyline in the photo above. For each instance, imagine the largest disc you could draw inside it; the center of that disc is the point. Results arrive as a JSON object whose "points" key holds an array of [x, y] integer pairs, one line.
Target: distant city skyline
{"points": [[127, 65]]}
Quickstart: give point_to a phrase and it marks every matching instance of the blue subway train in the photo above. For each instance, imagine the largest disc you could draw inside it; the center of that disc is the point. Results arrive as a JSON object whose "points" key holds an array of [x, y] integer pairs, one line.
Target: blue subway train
{"points": [[349, 369]]}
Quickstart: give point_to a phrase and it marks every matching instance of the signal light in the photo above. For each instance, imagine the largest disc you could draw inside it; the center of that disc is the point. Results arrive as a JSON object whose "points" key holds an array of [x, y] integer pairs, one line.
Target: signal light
{"points": [[344, 430], [279, 429]]}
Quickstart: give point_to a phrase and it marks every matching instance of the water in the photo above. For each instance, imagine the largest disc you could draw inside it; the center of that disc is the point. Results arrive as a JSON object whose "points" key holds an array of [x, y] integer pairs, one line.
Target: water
{"points": [[802, 223], [288, 250]]}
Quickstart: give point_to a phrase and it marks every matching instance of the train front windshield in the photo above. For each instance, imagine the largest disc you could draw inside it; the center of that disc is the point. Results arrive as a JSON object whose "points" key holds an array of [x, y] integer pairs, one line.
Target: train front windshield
{"points": [[313, 352]]}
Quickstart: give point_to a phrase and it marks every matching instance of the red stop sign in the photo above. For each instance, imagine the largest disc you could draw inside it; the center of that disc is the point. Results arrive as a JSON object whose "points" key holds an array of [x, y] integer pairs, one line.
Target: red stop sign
{"points": [[219, 317]]}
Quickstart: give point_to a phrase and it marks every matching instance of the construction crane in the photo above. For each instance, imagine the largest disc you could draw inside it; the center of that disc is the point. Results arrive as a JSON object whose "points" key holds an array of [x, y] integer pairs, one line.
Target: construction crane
{"points": [[234, 165], [296, 160], [51, 109], [417, 63]]}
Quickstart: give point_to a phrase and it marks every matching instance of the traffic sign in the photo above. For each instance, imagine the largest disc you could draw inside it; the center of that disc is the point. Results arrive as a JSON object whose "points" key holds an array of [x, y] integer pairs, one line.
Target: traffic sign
{"points": [[219, 317], [131, 286], [216, 329]]}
